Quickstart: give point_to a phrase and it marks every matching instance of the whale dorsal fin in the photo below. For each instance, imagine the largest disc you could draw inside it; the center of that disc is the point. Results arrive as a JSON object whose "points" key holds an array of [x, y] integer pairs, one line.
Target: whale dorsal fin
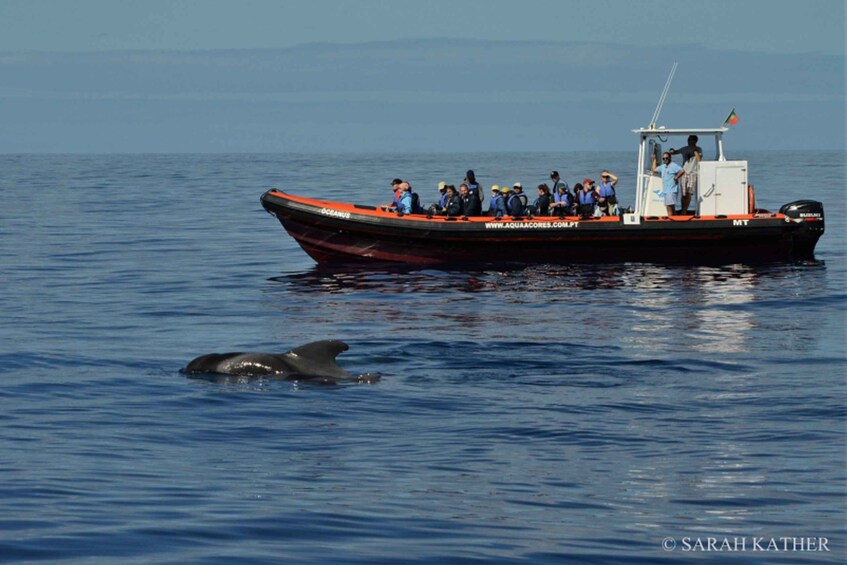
{"points": [[317, 358]]}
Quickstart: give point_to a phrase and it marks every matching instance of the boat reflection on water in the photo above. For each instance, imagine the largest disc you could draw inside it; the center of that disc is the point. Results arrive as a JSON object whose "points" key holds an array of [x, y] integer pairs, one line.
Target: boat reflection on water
{"points": [[647, 307], [398, 279]]}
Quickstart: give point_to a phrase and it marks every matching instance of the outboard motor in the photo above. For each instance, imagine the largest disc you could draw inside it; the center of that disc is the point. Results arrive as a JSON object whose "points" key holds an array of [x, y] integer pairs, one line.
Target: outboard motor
{"points": [[809, 214]]}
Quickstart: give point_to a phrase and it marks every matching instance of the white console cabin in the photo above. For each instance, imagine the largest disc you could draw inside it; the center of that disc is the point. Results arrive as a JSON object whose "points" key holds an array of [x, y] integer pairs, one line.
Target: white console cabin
{"points": [[722, 188]]}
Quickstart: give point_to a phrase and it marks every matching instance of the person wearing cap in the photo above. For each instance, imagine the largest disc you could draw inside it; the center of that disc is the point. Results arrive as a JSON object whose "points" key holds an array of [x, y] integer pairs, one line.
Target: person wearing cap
{"points": [[587, 198], [512, 201], [474, 188], [670, 173], [395, 188], [473, 185], [439, 206], [470, 203], [692, 154], [607, 199], [562, 201], [496, 206], [442, 188], [517, 188], [554, 176]]}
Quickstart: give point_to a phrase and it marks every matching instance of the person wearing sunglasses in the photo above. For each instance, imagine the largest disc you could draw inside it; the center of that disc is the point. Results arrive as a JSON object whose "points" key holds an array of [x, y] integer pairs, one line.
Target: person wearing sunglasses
{"points": [[670, 173]]}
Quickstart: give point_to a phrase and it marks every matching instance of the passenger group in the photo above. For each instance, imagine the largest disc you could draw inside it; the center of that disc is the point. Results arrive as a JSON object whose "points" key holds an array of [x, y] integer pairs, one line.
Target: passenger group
{"points": [[587, 199]]}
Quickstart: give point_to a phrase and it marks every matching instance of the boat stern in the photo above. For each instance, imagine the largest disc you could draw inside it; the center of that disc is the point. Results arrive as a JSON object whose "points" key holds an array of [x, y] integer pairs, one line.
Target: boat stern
{"points": [[809, 216]]}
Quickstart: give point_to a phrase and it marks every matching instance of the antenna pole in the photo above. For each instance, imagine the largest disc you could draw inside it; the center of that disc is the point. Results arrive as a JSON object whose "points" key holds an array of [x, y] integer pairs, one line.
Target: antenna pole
{"points": [[662, 97]]}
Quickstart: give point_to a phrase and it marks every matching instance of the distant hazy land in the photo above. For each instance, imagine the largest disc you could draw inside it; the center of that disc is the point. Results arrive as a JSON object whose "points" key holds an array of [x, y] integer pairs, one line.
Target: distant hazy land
{"points": [[421, 95]]}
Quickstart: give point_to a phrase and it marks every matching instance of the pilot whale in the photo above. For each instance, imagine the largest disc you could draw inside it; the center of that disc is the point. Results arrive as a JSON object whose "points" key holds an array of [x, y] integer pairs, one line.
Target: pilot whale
{"points": [[313, 362]]}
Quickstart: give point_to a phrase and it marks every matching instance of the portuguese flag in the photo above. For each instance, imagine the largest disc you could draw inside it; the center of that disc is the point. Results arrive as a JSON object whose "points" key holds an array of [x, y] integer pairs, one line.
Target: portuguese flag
{"points": [[731, 119]]}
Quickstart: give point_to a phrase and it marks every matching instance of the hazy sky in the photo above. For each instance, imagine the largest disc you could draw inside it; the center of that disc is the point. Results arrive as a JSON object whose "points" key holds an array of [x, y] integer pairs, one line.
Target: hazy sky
{"points": [[72, 78], [93, 25]]}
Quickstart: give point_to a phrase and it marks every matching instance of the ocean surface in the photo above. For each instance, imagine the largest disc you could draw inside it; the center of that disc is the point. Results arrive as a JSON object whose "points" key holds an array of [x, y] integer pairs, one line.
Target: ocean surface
{"points": [[549, 414]]}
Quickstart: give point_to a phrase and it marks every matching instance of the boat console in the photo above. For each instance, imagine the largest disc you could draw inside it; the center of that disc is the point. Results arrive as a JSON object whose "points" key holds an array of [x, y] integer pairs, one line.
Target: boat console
{"points": [[723, 188]]}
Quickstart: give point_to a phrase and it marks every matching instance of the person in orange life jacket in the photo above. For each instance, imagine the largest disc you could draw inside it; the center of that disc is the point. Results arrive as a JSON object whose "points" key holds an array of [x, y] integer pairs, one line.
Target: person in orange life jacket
{"points": [[517, 188], [541, 207], [496, 207], [607, 199], [562, 201], [452, 204], [513, 202], [470, 204], [587, 198]]}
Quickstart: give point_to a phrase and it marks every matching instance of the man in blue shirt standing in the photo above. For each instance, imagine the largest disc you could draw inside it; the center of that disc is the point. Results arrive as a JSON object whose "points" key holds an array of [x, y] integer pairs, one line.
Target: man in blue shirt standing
{"points": [[671, 173]]}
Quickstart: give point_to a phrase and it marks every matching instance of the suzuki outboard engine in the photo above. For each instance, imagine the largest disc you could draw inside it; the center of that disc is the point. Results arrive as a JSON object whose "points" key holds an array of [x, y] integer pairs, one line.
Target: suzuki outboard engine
{"points": [[809, 214]]}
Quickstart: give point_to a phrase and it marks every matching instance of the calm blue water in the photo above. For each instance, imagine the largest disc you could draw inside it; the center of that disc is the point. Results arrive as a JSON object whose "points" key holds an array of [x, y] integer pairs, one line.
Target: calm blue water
{"points": [[545, 414]]}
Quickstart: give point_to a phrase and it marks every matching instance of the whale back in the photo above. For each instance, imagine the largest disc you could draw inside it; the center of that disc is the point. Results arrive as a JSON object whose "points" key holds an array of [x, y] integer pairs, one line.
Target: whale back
{"points": [[317, 359], [237, 363]]}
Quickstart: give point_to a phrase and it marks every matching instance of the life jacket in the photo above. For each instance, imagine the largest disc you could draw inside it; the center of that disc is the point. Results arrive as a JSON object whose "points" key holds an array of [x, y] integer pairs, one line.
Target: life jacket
{"points": [[524, 200], [474, 190], [509, 204], [586, 197], [406, 205], [492, 205], [565, 197], [606, 190]]}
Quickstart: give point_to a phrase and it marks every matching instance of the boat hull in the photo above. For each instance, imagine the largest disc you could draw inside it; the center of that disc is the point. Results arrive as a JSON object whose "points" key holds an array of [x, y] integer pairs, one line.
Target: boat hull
{"points": [[332, 232]]}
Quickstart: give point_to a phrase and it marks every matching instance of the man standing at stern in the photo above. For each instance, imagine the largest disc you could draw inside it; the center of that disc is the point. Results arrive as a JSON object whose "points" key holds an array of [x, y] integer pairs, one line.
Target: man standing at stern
{"points": [[691, 157]]}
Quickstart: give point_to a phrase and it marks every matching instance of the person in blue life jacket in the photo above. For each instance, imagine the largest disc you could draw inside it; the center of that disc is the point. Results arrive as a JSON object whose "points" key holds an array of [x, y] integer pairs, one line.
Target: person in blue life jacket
{"points": [[607, 199], [437, 207], [470, 203], [496, 206], [405, 204], [396, 192], [562, 201], [452, 204], [517, 189], [587, 198], [557, 182], [541, 206], [670, 173], [511, 201]]}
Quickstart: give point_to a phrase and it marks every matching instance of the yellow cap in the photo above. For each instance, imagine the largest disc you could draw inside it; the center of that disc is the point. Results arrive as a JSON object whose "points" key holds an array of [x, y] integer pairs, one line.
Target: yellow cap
{"points": [[495, 187], [442, 185]]}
